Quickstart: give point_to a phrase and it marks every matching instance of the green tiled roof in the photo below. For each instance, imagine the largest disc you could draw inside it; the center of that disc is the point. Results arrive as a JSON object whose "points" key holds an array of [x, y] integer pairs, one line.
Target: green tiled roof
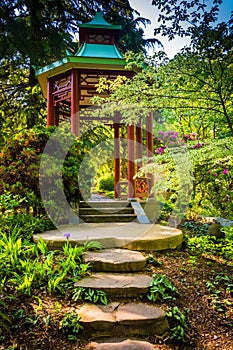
{"points": [[98, 50], [99, 22]]}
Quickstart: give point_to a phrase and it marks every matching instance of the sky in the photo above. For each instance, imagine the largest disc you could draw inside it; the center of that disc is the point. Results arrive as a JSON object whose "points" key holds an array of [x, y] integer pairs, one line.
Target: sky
{"points": [[146, 10]]}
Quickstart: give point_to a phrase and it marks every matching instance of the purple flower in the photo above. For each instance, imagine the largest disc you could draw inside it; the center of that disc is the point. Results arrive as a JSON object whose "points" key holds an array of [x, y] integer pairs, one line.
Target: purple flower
{"points": [[225, 171], [199, 145], [215, 174], [67, 235], [160, 150], [175, 134]]}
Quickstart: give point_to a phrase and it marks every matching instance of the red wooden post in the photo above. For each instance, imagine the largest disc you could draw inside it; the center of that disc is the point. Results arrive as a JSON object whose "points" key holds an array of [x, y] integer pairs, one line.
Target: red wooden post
{"points": [[131, 159], [150, 144], [139, 143], [74, 103], [50, 106], [116, 158], [57, 115]]}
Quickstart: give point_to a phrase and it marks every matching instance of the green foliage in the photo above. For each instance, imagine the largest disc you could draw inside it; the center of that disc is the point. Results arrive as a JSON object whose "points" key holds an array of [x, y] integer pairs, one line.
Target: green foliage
{"points": [[19, 164], [31, 38], [162, 289], [221, 291], [92, 245], [20, 161], [25, 267], [212, 166], [180, 325], [196, 228], [166, 210], [106, 184], [110, 194], [26, 225], [70, 325], [90, 295], [208, 245]]}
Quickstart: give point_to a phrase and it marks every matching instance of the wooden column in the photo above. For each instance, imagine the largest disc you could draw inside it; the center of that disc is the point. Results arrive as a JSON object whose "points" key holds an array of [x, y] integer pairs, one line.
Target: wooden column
{"points": [[50, 107], [57, 115], [75, 103], [131, 159], [139, 143], [116, 126], [150, 144]]}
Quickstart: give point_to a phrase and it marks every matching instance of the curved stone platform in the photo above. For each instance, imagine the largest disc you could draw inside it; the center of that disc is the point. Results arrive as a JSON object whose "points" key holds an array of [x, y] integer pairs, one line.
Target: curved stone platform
{"points": [[116, 235]]}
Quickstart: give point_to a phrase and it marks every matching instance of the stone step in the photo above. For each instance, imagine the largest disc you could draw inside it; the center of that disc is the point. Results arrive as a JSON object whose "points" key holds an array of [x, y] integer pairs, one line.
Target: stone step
{"points": [[122, 344], [105, 211], [122, 320], [105, 204], [108, 218], [117, 284], [115, 260]]}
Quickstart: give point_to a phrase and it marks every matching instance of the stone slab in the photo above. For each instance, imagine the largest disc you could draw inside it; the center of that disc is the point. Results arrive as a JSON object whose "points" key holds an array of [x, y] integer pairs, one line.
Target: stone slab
{"points": [[115, 260], [115, 235], [117, 284], [139, 211], [131, 319], [127, 344]]}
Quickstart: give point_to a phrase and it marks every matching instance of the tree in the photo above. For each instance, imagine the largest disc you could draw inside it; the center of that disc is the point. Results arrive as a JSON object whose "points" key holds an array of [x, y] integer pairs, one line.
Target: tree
{"points": [[36, 32], [195, 88]]}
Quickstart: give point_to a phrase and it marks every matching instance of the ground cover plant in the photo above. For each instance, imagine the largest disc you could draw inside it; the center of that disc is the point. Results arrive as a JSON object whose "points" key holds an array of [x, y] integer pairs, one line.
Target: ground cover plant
{"points": [[38, 298]]}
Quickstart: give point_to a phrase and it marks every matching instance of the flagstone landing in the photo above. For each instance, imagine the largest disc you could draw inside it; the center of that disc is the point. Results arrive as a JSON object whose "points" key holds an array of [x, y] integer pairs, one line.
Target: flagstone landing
{"points": [[115, 235]]}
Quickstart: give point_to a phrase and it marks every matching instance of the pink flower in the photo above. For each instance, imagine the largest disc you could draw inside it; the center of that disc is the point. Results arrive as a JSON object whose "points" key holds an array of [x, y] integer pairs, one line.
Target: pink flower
{"points": [[225, 171], [160, 150], [215, 174]]}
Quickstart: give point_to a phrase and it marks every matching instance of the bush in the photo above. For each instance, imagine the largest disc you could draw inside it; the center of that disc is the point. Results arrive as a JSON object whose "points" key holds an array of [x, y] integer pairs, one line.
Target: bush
{"points": [[209, 245], [213, 176], [20, 163], [106, 184]]}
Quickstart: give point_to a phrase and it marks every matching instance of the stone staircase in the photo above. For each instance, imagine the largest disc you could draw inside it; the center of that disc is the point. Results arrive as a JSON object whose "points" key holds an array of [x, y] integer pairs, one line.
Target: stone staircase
{"points": [[106, 211], [119, 272]]}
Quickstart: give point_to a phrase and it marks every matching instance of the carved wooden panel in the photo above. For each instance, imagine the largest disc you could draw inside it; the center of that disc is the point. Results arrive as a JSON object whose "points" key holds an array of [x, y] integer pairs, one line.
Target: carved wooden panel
{"points": [[142, 188], [88, 84], [62, 89], [122, 189], [99, 39]]}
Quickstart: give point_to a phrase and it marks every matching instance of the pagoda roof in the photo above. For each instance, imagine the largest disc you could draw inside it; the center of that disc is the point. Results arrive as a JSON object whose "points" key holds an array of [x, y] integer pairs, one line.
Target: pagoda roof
{"points": [[99, 22], [79, 62], [99, 50], [89, 56]]}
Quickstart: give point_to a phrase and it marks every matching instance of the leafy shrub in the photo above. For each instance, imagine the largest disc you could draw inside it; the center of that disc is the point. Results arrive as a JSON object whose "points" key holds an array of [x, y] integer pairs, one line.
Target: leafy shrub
{"points": [[20, 161], [70, 325], [106, 184], [212, 166], [26, 225], [179, 324], [162, 289], [210, 245], [26, 266], [196, 228], [91, 295], [19, 164]]}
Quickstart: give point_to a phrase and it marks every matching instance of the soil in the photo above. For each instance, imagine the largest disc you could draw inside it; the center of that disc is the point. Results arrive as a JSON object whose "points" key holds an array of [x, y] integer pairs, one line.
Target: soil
{"points": [[210, 318]]}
